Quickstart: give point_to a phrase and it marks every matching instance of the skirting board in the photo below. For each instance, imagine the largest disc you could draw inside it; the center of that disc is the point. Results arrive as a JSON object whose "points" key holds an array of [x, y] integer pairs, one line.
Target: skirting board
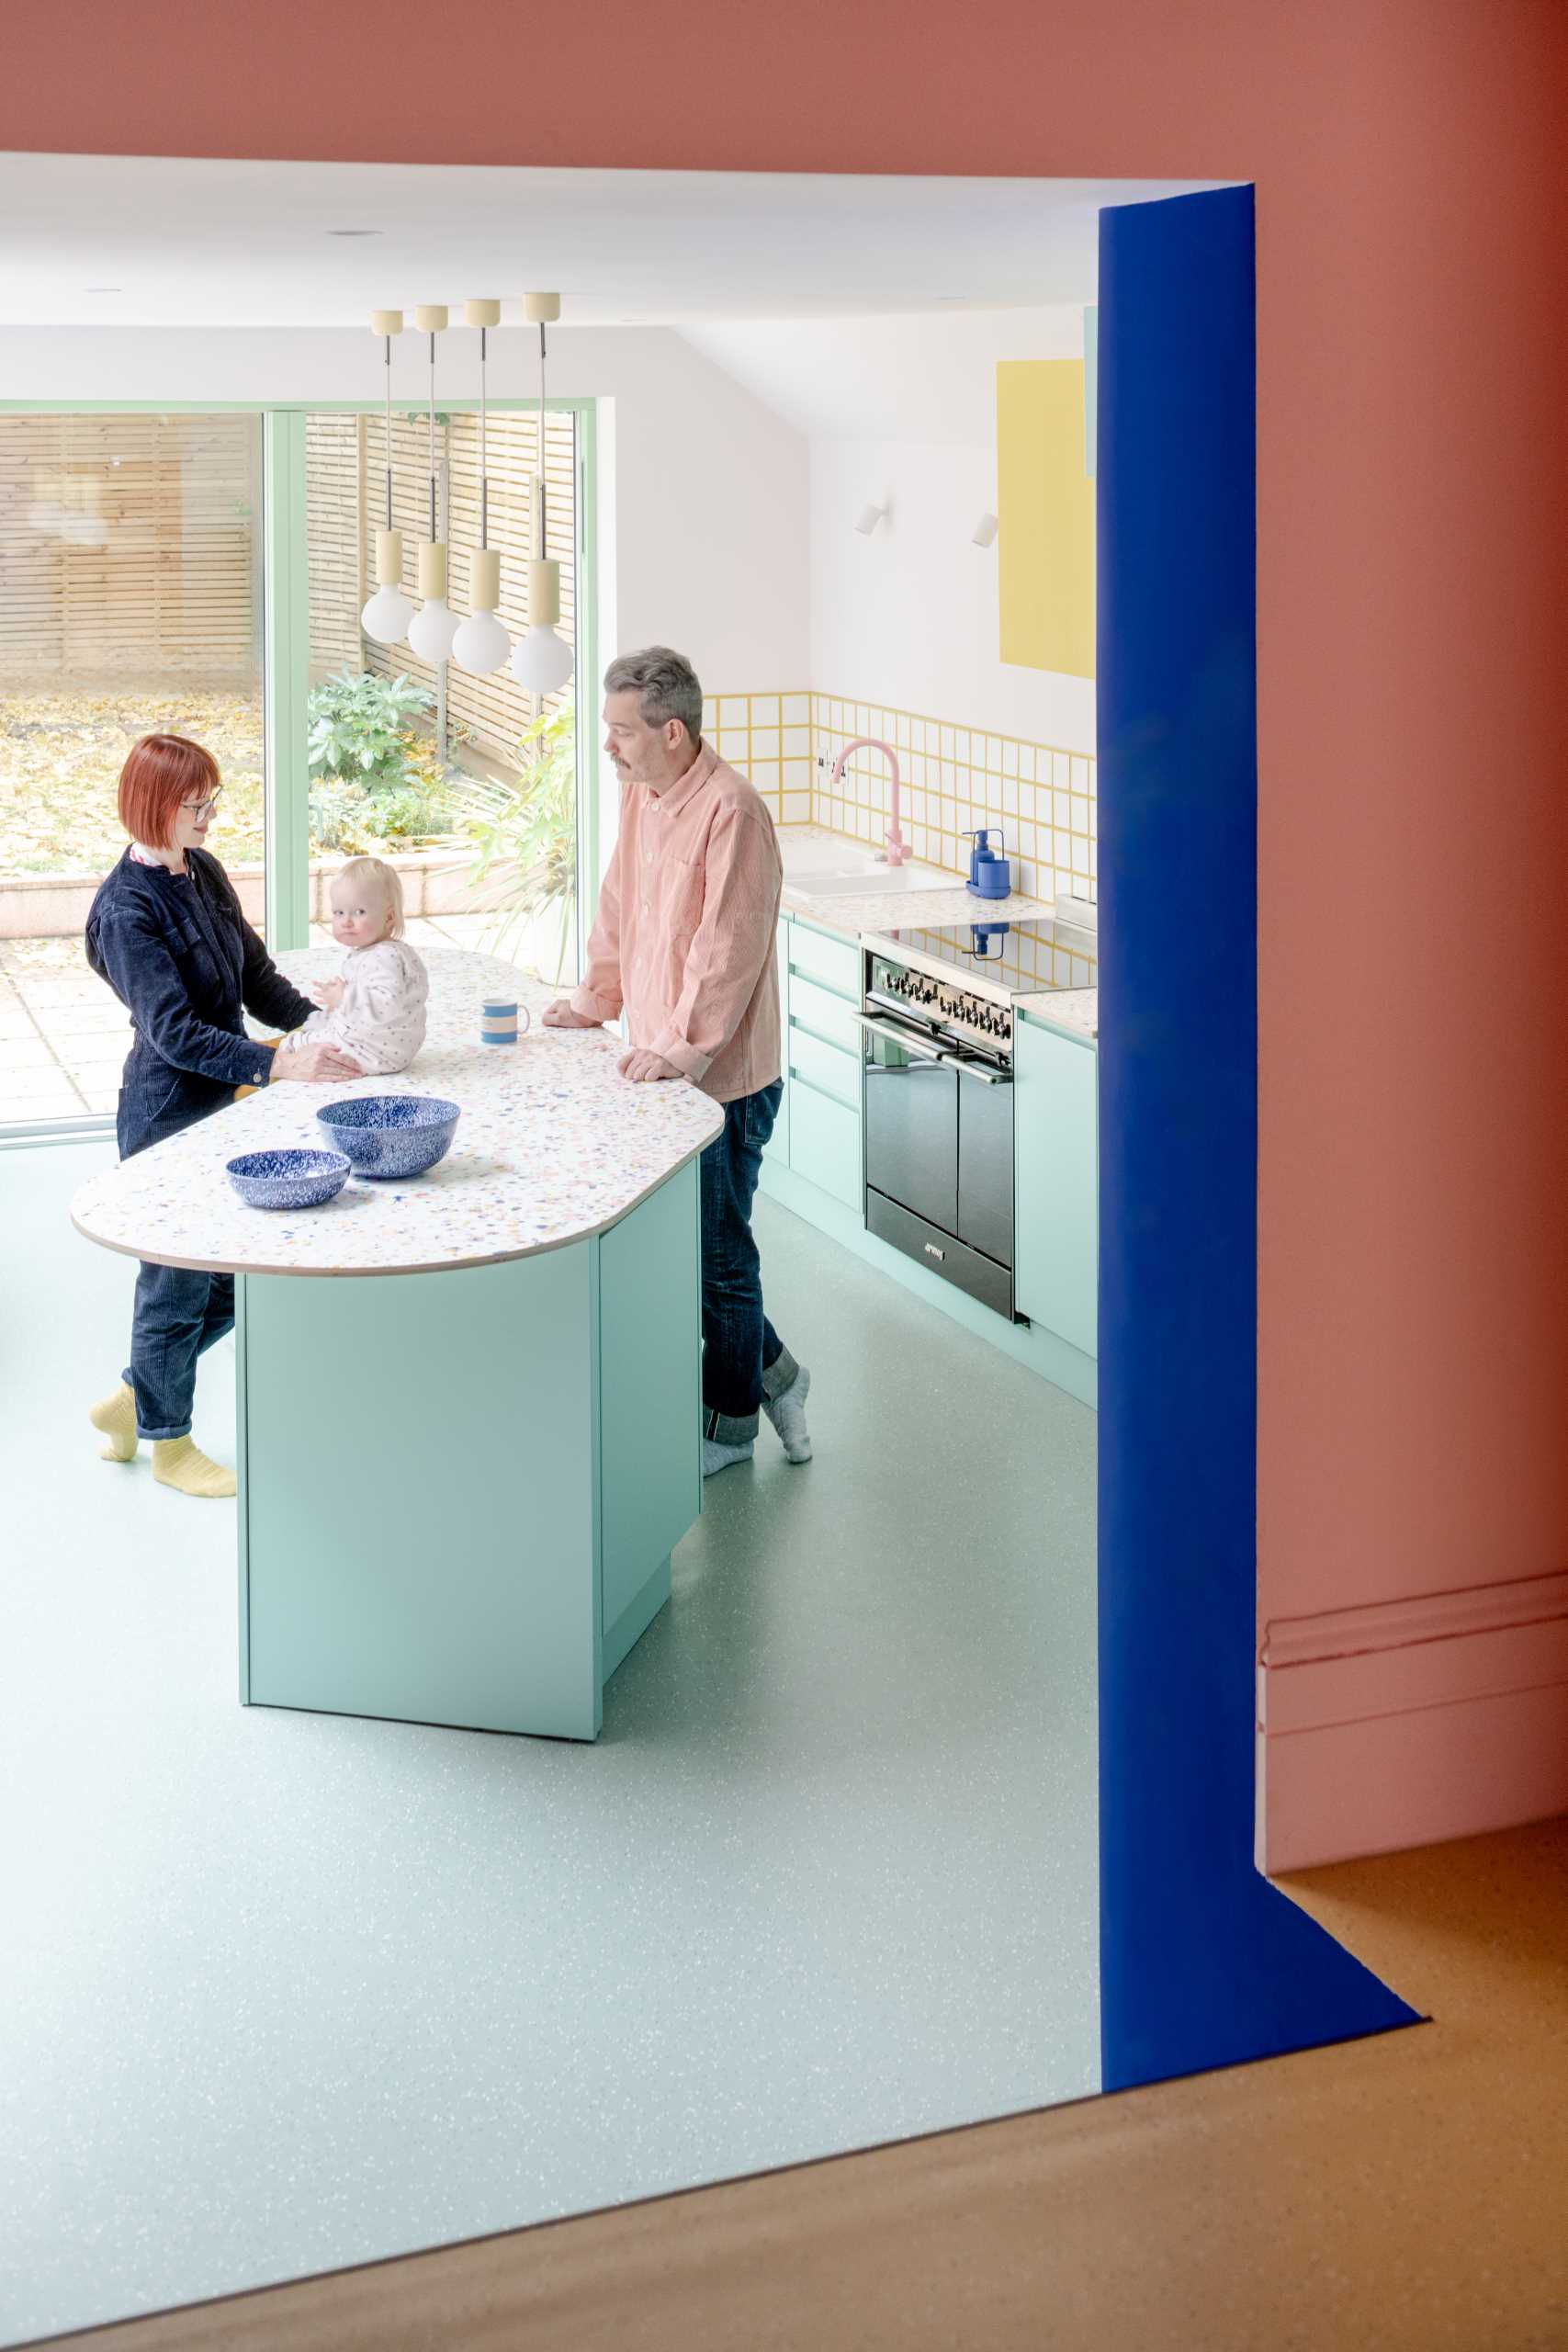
{"points": [[1412, 1722]]}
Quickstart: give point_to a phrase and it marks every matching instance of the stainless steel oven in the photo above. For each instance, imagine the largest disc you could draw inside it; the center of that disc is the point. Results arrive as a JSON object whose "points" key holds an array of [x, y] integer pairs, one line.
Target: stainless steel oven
{"points": [[937, 1080]]}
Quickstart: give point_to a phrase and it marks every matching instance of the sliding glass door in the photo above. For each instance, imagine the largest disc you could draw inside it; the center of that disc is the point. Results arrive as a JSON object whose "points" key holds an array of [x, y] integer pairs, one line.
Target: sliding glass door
{"points": [[131, 602]]}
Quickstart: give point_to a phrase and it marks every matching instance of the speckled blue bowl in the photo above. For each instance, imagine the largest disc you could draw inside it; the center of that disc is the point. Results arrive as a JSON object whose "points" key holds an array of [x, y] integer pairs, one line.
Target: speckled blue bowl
{"points": [[391, 1135], [287, 1180]]}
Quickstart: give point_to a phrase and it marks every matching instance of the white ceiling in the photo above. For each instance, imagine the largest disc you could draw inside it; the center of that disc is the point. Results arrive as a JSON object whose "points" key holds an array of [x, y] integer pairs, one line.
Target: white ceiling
{"points": [[202, 244]]}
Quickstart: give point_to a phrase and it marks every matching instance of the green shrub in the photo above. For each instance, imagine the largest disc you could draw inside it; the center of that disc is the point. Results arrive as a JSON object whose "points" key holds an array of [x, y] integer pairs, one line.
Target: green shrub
{"points": [[374, 777], [525, 839], [360, 726]]}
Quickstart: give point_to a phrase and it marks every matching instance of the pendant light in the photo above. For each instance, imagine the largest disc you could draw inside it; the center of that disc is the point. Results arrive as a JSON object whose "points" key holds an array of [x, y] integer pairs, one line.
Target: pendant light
{"points": [[542, 661], [387, 616], [434, 625], [483, 642]]}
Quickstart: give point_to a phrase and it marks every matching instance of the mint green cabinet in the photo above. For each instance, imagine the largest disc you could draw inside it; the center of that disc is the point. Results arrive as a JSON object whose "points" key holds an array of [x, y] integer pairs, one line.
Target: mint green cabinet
{"points": [[775, 1152], [567, 1385], [825, 1143], [816, 1135], [832, 961], [1055, 1142]]}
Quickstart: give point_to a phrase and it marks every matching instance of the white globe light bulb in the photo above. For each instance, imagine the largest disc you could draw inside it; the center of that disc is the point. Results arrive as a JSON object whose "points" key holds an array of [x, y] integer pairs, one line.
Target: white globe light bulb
{"points": [[431, 629], [387, 616], [543, 661], [481, 644]]}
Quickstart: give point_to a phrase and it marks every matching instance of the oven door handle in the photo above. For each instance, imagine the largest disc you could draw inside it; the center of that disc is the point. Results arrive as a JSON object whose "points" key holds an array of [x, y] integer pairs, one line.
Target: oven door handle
{"points": [[905, 1039], [986, 1076]]}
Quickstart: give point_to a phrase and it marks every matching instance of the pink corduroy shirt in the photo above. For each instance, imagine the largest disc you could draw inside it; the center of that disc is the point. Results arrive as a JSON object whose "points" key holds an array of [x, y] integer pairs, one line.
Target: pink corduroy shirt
{"points": [[683, 940]]}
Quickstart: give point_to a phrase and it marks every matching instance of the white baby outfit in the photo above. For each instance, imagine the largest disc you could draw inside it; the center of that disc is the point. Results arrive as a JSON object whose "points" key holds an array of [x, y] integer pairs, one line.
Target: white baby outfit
{"points": [[381, 1019]]}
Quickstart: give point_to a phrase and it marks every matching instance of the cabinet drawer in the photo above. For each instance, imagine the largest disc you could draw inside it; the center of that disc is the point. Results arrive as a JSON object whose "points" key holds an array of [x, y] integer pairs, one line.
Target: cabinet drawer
{"points": [[824, 1067], [826, 1015], [777, 1147], [834, 962], [824, 1142]]}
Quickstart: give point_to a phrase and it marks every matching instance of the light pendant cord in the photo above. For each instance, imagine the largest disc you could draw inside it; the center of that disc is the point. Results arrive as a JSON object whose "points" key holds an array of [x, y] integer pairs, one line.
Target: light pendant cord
{"points": [[388, 436], [484, 474], [433, 531], [543, 547]]}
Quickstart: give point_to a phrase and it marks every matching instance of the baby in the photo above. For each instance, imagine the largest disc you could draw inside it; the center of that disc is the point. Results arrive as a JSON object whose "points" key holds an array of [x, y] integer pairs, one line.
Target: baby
{"points": [[375, 1010]]}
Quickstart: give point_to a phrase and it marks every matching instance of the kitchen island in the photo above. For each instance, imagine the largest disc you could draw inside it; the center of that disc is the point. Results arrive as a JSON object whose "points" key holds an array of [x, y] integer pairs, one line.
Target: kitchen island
{"points": [[468, 1412]]}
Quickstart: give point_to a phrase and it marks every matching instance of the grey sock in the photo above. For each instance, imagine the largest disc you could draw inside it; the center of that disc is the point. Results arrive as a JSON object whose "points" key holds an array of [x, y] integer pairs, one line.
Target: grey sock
{"points": [[786, 1410], [719, 1456]]}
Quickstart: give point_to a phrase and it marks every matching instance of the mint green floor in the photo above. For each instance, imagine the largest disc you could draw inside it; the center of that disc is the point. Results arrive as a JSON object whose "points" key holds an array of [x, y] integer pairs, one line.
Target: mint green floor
{"points": [[280, 1992]]}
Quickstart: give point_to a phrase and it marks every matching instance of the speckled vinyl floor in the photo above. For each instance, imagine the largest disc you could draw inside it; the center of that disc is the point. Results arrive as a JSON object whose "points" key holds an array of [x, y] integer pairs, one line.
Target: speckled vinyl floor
{"points": [[283, 1992]]}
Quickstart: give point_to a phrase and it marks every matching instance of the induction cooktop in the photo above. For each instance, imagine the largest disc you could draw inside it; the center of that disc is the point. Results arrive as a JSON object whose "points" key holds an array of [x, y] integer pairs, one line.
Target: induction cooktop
{"points": [[1005, 958]]}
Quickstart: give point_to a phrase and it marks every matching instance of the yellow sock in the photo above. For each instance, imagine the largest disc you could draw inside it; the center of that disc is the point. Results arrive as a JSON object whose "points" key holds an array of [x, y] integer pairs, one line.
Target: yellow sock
{"points": [[178, 1462], [116, 1420]]}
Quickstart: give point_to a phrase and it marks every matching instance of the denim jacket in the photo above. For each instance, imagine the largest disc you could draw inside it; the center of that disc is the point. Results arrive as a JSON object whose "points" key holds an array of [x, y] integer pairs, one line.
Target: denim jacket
{"points": [[180, 955]]}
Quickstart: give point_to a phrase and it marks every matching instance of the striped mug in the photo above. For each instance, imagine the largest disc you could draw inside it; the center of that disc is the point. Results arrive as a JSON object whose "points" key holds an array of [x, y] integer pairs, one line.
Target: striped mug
{"points": [[501, 1021]]}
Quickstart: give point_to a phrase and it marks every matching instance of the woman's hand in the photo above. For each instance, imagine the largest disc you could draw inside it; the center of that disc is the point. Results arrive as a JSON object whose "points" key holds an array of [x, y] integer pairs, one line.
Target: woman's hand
{"points": [[317, 1061], [329, 994], [561, 1015]]}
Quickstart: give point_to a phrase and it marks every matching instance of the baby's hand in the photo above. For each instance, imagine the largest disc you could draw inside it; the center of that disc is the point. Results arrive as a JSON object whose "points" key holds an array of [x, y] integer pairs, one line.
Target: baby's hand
{"points": [[329, 994]]}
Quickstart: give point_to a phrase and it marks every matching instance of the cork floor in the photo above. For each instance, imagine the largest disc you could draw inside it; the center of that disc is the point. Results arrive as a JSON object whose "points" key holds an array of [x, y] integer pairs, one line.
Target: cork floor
{"points": [[1408, 2193]]}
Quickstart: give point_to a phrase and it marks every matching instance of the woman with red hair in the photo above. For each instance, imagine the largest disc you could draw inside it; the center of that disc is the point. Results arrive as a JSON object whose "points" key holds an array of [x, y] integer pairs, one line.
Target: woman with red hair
{"points": [[167, 932]]}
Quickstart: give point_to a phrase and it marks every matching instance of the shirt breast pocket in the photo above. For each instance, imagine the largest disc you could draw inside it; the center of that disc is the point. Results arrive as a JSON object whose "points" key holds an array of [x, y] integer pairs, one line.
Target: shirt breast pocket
{"points": [[684, 890]]}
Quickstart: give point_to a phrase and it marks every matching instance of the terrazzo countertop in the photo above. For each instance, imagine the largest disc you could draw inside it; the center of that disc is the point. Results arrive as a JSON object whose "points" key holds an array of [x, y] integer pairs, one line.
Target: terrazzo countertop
{"points": [[880, 911], [553, 1144], [1075, 1009]]}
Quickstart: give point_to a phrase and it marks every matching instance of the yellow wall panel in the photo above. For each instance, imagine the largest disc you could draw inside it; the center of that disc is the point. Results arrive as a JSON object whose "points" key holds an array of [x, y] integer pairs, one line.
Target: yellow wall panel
{"points": [[1045, 513]]}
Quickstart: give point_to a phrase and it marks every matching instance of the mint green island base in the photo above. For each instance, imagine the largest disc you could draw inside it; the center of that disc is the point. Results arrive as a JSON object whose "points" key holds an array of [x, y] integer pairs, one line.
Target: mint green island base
{"points": [[459, 1490]]}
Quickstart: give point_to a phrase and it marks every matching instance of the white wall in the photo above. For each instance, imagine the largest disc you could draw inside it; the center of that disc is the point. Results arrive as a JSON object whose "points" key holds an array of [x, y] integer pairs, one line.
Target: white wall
{"points": [[902, 411]]}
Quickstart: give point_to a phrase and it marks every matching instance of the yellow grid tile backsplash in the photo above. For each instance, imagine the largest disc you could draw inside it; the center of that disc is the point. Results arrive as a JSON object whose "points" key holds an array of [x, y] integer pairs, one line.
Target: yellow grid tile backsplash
{"points": [[953, 778]]}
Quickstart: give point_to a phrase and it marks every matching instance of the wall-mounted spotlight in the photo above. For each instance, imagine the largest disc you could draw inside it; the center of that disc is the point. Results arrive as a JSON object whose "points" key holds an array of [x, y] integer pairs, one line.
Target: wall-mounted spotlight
{"points": [[984, 531], [868, 518]]}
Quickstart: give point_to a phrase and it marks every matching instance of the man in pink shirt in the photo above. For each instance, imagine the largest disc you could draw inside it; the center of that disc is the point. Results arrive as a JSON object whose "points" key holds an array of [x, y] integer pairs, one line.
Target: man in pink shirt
{"points": [[683, 944]]}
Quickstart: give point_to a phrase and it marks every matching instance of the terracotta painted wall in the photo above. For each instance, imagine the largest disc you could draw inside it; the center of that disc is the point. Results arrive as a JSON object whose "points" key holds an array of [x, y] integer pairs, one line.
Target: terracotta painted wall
{"points": [[1412, 332]]}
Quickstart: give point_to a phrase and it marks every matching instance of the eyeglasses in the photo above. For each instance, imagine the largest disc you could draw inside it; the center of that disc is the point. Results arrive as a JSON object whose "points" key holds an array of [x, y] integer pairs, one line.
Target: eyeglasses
{"points": [[200, 807]]}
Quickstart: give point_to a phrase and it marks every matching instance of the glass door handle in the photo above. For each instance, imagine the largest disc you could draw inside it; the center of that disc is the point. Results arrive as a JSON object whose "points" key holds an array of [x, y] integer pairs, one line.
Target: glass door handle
{"points": [[986, 1076]]}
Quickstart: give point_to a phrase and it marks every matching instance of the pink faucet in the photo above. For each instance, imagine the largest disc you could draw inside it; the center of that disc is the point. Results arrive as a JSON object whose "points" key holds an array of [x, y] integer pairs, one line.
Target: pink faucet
{"points": [[897, 852]]}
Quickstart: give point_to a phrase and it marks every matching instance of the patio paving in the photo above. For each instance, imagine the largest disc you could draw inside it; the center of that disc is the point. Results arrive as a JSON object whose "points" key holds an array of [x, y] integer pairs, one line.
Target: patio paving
{"points": [[64, 1037]]}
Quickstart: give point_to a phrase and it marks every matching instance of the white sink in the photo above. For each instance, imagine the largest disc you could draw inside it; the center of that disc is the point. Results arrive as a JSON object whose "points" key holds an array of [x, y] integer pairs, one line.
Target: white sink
{"points": [[874, 882]]}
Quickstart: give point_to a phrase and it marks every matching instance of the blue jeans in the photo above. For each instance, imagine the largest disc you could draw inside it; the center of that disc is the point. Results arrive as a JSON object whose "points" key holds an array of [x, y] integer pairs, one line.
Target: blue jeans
{"points": [[743, 1358], [179, 1313]]}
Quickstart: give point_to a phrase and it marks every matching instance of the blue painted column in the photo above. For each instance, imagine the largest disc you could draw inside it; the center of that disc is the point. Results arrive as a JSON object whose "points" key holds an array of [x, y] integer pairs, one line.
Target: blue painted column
{"points": [[1203, 1963]]}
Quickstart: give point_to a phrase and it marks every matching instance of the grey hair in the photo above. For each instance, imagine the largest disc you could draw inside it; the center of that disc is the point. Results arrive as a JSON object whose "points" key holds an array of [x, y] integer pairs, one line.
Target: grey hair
{"points": [[667, 683]]}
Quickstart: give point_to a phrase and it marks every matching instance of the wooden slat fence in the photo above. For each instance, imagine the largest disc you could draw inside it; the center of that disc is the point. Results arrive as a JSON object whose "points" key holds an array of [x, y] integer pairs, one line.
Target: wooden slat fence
{"points": [[130, 547]]}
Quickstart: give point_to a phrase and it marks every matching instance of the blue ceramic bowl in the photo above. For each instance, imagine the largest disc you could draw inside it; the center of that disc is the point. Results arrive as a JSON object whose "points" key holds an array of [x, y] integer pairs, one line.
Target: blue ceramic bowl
{"points": [[287, 1180], [391, 1135]]}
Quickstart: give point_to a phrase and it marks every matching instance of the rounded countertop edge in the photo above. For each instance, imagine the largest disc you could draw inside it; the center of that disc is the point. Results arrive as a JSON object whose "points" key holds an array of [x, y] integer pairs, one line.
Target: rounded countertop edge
{"points": [[369, 1273], [602, 1161]]}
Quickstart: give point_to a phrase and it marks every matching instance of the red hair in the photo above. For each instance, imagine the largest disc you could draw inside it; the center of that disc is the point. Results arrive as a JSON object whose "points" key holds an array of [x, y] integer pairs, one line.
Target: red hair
{"points": [[162, 771]]}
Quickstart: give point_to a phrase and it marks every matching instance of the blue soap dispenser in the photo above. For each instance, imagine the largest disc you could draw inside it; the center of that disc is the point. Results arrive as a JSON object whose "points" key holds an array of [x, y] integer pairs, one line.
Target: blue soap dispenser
{"points": [[990, 874]]}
